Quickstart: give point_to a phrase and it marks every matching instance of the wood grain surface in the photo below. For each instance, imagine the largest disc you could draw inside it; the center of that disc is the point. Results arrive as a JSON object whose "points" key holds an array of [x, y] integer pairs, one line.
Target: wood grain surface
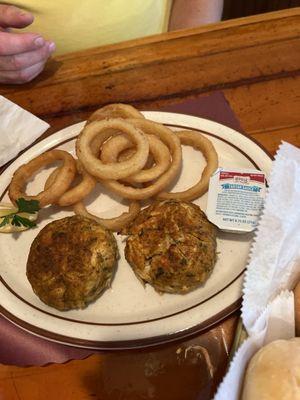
{"points": [[255, 62], [167, 67]]}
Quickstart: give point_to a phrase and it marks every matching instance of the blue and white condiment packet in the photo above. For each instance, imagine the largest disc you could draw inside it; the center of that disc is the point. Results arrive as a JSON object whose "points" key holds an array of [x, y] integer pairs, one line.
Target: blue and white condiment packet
{"points": [[235, 199]]}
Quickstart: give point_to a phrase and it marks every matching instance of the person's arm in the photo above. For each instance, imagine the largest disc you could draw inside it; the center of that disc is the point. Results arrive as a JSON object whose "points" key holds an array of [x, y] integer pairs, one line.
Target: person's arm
{"points": [[193, 13], [22, 55]]}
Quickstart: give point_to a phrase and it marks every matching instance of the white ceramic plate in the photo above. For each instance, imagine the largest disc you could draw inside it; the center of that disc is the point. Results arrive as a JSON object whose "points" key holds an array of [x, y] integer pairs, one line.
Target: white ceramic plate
{"points": [[128, 315]]}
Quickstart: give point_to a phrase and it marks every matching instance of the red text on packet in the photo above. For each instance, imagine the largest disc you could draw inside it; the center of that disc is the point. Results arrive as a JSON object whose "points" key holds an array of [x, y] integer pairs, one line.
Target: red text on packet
{"points": [[251, 176]]}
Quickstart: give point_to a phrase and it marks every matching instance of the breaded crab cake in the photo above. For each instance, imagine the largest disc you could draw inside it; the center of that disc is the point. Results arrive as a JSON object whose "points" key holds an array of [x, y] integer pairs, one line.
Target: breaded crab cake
{"points": [[172, 246], [71, 261]]}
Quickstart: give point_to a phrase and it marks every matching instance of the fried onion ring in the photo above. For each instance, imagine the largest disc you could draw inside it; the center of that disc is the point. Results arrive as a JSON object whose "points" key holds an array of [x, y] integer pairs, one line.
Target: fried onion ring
{"points": [[114, 224], [127, 153], [117, 110], [76, 193], [198, 142], [113, 147], [102, 130], [172, 141], [58, 187]]}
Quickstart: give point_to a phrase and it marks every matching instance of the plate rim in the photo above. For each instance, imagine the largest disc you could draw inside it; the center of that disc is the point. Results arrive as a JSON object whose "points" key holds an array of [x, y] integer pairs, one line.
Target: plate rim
{"points": [[135, 342], [122, 344]]}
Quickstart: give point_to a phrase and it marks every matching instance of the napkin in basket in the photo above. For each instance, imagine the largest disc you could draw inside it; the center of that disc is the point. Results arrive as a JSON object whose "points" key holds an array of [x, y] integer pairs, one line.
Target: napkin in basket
{"points": [[274, 267], [18, 129]]}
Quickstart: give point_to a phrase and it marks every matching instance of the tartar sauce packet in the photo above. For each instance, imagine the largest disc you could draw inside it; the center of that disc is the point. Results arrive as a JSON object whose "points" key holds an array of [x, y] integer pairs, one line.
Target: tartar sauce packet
{"points": [[235, 199]]}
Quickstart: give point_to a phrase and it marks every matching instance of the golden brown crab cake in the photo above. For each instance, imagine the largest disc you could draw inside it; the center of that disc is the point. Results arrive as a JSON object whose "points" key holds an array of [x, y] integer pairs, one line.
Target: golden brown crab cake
{"points": [[172, 246], [71, 261]]}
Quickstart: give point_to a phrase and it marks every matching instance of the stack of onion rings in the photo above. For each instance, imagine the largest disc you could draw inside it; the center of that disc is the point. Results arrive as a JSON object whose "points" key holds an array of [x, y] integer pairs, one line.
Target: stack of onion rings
{"points": [[101, 131], [161, 156], [133, 157], [173, 143]]}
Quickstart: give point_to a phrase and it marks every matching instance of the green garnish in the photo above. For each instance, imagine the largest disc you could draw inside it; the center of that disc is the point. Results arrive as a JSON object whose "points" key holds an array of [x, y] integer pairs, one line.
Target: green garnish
{"points": [[21, 221], [5, 221], [28, 206], [24, 206]]}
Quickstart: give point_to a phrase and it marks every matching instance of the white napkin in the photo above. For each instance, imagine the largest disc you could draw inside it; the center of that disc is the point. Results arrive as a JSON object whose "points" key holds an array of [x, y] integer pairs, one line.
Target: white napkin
{"points": [[275, 254], [18, 129], [273, 269]]}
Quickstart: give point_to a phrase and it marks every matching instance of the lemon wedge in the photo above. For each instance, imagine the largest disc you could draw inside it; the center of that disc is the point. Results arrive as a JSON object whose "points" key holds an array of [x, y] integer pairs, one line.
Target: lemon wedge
{"points": [[7, 209]]}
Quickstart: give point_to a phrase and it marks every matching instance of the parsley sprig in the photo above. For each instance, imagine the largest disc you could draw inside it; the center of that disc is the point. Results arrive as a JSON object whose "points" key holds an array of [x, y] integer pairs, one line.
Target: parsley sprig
{"points": [[24, 206]]}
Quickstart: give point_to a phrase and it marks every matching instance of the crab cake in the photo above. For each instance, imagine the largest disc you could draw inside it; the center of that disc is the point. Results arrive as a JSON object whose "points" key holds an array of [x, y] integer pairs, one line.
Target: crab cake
{"points": [[172, 246], [71, 261]]}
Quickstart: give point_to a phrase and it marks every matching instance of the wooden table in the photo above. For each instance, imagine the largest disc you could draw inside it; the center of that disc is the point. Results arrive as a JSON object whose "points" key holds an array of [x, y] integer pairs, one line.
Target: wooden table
{"points": [[255, 62]]}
